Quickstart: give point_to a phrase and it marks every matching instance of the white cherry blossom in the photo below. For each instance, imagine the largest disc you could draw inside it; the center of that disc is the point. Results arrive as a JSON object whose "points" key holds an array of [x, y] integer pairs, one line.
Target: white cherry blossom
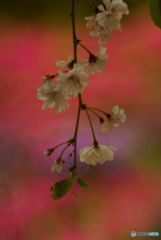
{"points": [[74, 81], [57, 167], [96, 30], [117, 117], [107, 19], [94, 155], [118, 114], [53, 96], [111, 13]]}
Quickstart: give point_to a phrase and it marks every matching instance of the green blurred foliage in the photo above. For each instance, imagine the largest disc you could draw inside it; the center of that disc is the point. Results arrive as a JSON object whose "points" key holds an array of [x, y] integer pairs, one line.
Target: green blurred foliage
{"points": [[49, 11], [155, 11]]}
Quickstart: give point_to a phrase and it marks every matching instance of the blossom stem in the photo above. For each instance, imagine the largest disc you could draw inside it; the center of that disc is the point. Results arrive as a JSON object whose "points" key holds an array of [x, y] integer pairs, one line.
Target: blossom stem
{"points": [[59, 145], [65, 149], [85, 48], [76, 134], [96, 109], [96, 114], [92, 129]]}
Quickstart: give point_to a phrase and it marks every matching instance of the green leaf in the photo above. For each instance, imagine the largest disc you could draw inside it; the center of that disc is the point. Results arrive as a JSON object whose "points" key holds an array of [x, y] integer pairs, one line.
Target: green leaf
{"points": [[82, 183], [59, 189], [155, 11]]}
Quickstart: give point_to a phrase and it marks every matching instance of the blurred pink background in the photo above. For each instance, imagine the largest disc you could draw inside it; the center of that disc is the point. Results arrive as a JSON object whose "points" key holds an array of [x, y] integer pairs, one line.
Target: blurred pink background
{"points": [[125, 194]]}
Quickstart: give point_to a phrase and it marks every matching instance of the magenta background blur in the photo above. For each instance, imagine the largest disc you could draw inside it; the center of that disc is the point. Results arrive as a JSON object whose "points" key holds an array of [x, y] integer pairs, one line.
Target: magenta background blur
{"points": [[125, 194]]}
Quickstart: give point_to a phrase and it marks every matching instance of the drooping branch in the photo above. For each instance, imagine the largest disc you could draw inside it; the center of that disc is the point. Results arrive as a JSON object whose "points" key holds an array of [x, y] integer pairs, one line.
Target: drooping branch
{"points": [[75, 44]]}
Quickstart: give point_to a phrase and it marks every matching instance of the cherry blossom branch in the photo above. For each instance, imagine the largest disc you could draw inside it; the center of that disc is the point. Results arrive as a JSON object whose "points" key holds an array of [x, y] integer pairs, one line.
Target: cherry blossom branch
{"points": [[75, 44], [71, 81]]}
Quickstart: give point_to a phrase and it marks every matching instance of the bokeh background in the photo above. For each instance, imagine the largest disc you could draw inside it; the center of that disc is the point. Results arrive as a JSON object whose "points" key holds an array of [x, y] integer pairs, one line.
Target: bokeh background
{"points": [[125, 194]]}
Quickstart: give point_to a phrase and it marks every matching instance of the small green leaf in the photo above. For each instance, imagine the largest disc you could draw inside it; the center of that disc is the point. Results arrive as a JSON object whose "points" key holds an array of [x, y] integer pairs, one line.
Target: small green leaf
{"points": [[155, 11], [59, 189], [82, 183]]}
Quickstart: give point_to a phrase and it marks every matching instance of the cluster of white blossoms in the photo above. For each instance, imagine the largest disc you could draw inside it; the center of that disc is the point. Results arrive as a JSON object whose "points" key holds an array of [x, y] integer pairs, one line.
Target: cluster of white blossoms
{"points": [[68, 84], [101, 153], [71, 80], [107, 19]]}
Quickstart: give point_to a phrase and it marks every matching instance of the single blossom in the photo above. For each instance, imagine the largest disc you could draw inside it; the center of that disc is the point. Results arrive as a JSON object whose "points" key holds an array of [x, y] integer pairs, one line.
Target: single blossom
{"points": [[57, 167], [110, 14], [52, 95], [118, 114], [114, 119], [97, 63], [74, 81], [93, 155]]}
